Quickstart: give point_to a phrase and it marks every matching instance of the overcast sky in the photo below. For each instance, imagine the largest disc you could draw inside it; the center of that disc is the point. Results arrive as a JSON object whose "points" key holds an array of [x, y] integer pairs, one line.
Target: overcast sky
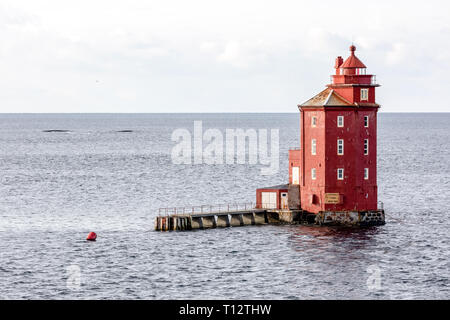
{"points": [[216, 56]]}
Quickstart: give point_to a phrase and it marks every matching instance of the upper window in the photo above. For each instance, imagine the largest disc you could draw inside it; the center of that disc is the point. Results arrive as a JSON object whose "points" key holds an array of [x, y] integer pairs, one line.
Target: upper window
{"points": [[366, 121], [366, 146], [340, 174], [366, 173], [313, 147], [313, 121], [340, 121], [340, 147], [313, 173], [364, 94]]}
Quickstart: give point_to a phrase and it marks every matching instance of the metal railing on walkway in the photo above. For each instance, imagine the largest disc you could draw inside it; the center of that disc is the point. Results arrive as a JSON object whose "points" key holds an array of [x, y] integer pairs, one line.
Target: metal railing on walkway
{"points": [[207, 208]]}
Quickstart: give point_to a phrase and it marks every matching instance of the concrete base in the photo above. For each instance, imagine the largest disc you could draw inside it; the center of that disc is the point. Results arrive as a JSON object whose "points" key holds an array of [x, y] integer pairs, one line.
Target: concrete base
{"points": [[208, 222], [273, 217], [351, 218], [236, 220], [283, 216], [247, 219], [196, 223], [259, 218], [288, 216], [181, 223], [372, 218], [223, 221]]}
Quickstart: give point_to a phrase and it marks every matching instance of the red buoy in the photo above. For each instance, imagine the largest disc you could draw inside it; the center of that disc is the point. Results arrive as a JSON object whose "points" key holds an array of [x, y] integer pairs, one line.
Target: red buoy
{"points": [[91, 236]]}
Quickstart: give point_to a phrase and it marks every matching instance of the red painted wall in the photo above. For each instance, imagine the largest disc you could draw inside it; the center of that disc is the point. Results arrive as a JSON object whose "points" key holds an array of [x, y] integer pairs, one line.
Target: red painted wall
{"points": [[356, 192], [312, 191]]}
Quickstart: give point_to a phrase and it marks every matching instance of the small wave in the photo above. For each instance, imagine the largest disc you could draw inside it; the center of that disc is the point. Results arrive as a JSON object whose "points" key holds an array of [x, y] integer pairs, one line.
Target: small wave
{"points": [[124, 131], [55, 130]]}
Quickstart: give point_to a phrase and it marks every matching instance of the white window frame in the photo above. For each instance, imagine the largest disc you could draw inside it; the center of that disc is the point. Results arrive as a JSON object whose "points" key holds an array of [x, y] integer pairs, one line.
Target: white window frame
{"points": [[313, 147], [364, 94], [366, 173], [313, 174], [340, 142], [366, 147], [313, 121], [340, 173], [366, 121], [340, 121]]}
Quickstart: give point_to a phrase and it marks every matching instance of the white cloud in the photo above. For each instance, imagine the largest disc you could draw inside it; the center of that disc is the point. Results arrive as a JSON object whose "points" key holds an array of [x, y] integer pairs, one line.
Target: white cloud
{"points": [[232, 54], [397, 54], [242, 55], [209, 46], [211, 55]]}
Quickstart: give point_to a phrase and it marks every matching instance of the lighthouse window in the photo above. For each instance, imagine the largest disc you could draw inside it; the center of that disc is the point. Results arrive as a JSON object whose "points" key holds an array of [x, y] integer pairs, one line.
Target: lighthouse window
{"points": [[313, 147], [340, 147], [313, 173], [366, 173], [313, 121], [366, 146], [340, 174], [366, 121], [364, 94], [340, 121]]}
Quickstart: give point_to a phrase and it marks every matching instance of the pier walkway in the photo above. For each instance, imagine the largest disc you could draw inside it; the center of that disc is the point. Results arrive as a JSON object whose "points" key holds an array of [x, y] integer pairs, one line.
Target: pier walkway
{"points": [[245, 214], [221, 216], [210, 216]]}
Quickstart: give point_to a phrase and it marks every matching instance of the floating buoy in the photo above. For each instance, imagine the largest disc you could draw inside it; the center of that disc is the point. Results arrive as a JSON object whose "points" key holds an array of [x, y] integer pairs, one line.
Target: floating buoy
{"points": [[92, 236]]}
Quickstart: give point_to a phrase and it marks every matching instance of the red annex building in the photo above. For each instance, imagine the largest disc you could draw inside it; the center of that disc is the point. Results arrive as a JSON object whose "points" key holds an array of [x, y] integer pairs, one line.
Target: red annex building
{"points": [[335, 169]]}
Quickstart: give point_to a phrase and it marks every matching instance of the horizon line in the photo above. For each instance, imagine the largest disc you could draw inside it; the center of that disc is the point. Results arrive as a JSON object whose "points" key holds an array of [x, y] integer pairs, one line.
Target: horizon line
{"points": [[197, 112]]}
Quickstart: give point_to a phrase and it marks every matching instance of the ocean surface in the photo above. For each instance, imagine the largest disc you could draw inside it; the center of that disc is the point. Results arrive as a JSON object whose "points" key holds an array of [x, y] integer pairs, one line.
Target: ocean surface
{"points": [[55, 187]]}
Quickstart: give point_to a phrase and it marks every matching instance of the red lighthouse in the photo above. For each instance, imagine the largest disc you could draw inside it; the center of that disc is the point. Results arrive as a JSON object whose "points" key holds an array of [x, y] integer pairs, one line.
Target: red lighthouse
{"points": [[333, 175], [336, 166]]}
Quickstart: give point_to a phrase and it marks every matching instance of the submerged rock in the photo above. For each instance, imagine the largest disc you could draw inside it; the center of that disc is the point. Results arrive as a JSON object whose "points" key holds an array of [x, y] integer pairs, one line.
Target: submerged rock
{"points": [[55, 130]]}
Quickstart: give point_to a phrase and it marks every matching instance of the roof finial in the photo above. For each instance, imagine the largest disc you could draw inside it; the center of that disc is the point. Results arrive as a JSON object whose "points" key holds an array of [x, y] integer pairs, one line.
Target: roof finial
{"points": [[352, 49]]}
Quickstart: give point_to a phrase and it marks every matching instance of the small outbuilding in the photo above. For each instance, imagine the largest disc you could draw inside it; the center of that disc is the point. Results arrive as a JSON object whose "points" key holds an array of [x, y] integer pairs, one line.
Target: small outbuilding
{"points": [[275, 197]]}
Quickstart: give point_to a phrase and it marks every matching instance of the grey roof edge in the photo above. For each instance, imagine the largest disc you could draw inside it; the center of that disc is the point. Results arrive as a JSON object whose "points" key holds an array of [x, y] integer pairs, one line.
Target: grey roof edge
{"points": [[277, 187]]}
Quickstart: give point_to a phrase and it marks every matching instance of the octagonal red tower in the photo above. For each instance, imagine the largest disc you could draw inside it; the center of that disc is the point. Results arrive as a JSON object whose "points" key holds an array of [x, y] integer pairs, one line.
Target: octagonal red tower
{"points": [[337, 170]]}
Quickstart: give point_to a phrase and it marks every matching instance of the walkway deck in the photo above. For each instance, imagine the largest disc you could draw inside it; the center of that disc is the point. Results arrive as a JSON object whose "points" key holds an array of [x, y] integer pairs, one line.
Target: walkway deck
{"points": [[209, 216]]}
